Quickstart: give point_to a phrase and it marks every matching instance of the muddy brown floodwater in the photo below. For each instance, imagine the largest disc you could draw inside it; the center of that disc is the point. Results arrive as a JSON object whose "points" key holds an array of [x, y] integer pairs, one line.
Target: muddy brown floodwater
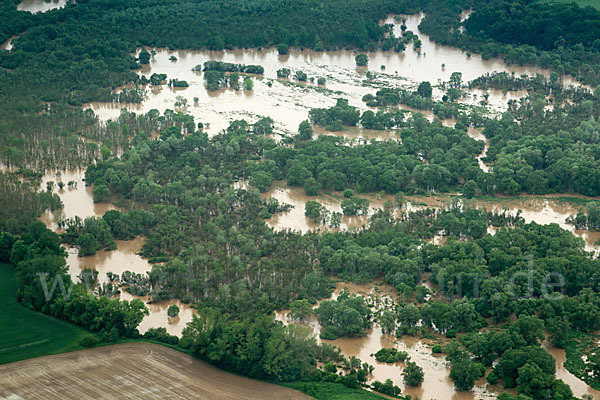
{"points": [[78, 201], [158, 315], [437, 383], [476, 134], [133, 371], [287, 102], [578, 386], [533, 209], [35, 6]]}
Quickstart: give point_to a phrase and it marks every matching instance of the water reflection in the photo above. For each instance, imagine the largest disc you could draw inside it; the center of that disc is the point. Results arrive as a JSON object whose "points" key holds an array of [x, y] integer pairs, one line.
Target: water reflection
{"points": [[78, 199], [287, 102], [158, 315], [124, 258], [436, 384]]}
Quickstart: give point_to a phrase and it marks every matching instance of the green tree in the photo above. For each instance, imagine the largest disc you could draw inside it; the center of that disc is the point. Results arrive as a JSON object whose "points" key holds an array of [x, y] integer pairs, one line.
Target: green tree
{"points": [[300, 309], [305, 131], [425, 89], [464, 373], [534, 382], [311, 186], [413, 374], [144, 57], [470, 189], [282, 49], [361, 60], [173, 311]]}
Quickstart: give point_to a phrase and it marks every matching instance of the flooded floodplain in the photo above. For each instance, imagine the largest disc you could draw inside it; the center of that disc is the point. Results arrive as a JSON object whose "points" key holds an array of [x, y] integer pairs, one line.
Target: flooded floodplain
{"points": [[287, 102]]}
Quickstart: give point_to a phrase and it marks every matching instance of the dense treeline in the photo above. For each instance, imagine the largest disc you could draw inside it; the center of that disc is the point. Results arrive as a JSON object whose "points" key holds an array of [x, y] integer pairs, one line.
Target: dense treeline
{"points": [[556, 43], [44, 284], [20, 202], [429, 157], [537, 24], [540, 149]]}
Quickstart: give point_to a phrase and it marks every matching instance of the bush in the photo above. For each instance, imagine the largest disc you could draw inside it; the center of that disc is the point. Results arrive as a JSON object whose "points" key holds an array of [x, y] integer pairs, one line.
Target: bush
{"points": [[88, 341], [437, 349], [361, 60], [391, 355], [173, 311], [283, 49], [413, 374]]}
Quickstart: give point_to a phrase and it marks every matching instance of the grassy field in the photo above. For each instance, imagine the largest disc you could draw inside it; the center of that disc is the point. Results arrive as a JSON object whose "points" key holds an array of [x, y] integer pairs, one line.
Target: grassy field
{"points": [[582, 3], [332, 391], [25, 333]]}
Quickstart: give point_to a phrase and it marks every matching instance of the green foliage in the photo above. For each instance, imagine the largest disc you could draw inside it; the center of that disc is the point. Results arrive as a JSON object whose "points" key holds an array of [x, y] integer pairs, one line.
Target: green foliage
{"points": [[38, 251], [464, 373], [15, 216], [425, 89], [313, 209], [144, 57], [90, 235], [173, 311], [332, 391], [391, 355], [300, 76], [283, 73], [282, 49], [88, 341], [300, 309], [335, 117], [161, 335], [361, 60], [489, 22], [387, 387], [412, 374], [305, 131], [258, 346], [348, 315]]}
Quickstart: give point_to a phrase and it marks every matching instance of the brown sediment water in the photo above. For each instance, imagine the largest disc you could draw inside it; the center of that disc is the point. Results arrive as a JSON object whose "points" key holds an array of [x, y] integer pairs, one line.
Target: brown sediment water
{"points": [[579, 387], [436, 384], [476, 134], [542, 211], [287, 102], [130, 370], [8, 45], [124, 258], [533, 209], [427, 66], [77, 200], [158, 314], [35, 6]]}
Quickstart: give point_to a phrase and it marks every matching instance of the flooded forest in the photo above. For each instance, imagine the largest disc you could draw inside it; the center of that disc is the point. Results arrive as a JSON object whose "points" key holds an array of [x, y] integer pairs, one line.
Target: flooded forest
{"points": [[350, 199]]}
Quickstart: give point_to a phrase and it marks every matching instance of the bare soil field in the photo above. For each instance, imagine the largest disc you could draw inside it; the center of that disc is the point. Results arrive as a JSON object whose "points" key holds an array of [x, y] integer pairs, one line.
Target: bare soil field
{"points": [[129, 371]]}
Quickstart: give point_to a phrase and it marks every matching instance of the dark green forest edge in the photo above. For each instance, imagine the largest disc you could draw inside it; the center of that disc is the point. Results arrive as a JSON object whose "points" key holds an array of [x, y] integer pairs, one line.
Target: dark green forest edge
{"points": [[209, 241]]}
